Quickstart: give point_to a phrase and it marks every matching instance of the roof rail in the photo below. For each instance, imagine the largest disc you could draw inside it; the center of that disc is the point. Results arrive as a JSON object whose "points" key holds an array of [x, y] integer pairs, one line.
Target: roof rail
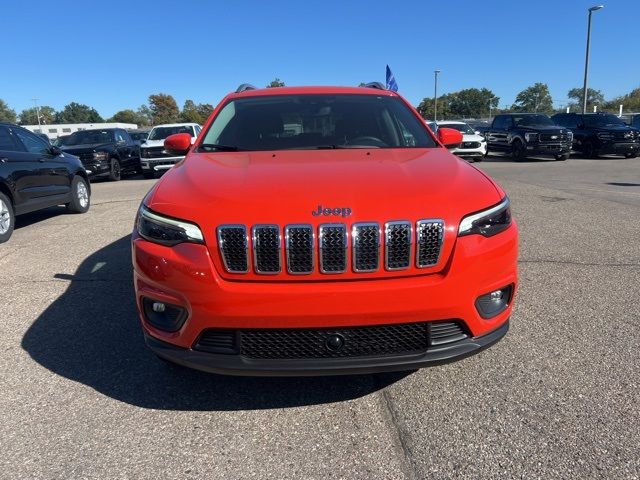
{"points": [[244, 87], [377, 85]]}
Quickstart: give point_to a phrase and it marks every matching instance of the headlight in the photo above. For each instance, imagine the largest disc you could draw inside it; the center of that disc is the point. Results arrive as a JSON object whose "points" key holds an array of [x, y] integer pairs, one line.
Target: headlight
{"points": [[166, 231], [100, 155], [531, 137], [570, 136], [144, 153], [488, 222]]}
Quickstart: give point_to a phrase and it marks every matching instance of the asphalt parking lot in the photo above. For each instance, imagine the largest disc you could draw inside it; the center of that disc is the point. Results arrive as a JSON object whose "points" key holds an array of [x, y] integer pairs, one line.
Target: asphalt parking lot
{"points": [[557, 398]]}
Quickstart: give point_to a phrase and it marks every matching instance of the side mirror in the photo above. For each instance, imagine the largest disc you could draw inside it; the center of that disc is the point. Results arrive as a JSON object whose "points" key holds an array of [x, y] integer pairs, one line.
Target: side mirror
{"points": [[178, 144], [55, 151], [449, 137]]}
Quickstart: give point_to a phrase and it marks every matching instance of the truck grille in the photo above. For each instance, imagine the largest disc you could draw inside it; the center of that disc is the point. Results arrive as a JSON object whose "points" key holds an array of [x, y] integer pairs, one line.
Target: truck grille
{"points": [[470, 145], [553, 137], [333, 241], [154, 152], [309, 343]]}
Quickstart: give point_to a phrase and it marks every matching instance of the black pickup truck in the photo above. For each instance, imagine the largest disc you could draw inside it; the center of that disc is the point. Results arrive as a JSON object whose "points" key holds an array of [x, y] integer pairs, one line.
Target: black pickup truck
{"points": [[601, 133], [528, 134], [109, 152]]}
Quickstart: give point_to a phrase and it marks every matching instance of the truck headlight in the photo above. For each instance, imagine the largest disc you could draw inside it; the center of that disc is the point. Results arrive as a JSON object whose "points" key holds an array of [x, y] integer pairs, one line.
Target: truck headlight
{"points": [[165, 230], [100, 155], [488, 222], [531, 137]]}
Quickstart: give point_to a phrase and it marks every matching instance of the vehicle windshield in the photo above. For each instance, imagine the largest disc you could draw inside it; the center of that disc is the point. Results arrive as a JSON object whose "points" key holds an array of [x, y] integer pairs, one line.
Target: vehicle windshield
{"points": [[160, 133], [283, 122], [461, 127], [532, 121], [606, 120], [90, 137], [138, 135]]}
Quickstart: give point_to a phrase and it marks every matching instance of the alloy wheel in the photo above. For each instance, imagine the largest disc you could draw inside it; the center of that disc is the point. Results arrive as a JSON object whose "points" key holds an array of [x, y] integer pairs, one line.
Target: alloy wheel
{"points": [[5, 218]]}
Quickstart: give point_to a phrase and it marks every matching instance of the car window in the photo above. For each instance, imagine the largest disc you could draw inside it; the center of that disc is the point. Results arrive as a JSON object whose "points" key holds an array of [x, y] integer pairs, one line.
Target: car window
{"points": [[282, 122], [198, 130], [6, 141], [461, 127], [90, 137], [602, 120], [160, 133], [569, 121], [32, 143], [500, 122], [532, 121]]}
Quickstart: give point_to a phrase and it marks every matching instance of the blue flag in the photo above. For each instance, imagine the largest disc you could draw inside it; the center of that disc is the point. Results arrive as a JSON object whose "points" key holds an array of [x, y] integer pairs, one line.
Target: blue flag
{"points": [[391, 81]]}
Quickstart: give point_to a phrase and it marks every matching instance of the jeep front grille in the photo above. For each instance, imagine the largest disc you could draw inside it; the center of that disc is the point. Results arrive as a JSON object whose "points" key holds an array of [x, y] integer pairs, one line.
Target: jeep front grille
{"points": [[360, 247]]}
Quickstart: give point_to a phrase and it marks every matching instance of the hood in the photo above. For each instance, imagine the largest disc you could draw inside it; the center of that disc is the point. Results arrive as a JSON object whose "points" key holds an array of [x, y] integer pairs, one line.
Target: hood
{"points": [[615, 128], [86, 148], [467, 137], [286, 187], [544, 129]]}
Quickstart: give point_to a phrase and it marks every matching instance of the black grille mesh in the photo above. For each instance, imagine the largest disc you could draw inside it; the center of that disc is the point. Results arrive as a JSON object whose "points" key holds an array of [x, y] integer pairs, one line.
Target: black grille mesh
{"points": [[366, 247], [299, 249], [430, 234], [232, 241], [548, 137], [283, 344], [398, 245], [266, 247], [333, 253]]}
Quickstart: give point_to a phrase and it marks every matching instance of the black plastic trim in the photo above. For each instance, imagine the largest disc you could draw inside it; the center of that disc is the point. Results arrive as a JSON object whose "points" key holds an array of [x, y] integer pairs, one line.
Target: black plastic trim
{"points": [[238, 365]]}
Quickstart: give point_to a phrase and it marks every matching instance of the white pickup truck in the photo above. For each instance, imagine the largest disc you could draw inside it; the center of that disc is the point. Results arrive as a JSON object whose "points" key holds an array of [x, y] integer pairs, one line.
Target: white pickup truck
{"points": [[153, 156]]}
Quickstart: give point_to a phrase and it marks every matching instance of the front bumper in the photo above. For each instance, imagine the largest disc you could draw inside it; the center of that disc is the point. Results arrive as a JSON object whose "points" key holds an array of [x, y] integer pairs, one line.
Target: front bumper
{"points": [[157, 164], [548, 148], [185, 276], [480, 151], [239, 365], [617, 148]]}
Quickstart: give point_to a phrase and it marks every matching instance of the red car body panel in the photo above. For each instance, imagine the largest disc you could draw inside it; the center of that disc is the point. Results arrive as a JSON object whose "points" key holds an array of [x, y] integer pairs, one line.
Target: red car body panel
{"points": [[285, 187]]}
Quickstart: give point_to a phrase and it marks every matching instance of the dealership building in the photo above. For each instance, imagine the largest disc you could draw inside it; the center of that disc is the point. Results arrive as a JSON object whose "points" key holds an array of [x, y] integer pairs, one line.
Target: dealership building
{"points": [[60, 129]]}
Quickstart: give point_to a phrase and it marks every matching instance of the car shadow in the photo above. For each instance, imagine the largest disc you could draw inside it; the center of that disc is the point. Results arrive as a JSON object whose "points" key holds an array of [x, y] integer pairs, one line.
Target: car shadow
{"points": [[91, 334], [27, 219]]}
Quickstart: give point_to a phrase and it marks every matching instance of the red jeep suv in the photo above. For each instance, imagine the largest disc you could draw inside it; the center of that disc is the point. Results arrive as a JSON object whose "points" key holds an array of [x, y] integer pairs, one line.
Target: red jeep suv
{"points": [[322, 230]]}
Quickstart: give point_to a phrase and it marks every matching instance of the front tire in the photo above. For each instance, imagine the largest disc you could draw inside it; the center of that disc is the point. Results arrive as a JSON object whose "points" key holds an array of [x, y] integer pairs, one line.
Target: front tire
{"points": [[115, 171], [630, 155], [7, 218], [562, 157], [517, 150], [80, 198], [589, 149]]}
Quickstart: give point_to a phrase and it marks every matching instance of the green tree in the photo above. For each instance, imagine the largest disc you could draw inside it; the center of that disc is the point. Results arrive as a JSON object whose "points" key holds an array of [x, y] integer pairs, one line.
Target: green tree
{"points": [[29, 116], [125, 116], [535, 98], [164, 109], [6, 113], [276, 82], [78, 113], [629, 101], [196, 113], [144, 115], [204, 109], [470, 102], [594, 97]]}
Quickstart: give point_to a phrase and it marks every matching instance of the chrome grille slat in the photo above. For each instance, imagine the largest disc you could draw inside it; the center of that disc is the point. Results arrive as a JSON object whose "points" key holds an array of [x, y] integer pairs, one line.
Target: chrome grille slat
{"points": [[300, 249], [233, 245], [398, 237], [365, 240], [266, 249], [430, 234], [333, 247]]}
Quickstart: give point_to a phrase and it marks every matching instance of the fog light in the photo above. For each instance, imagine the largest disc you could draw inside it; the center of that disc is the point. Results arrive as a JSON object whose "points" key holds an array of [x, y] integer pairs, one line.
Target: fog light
{"points": [[161, 307], [491, 304], [163, 316]]}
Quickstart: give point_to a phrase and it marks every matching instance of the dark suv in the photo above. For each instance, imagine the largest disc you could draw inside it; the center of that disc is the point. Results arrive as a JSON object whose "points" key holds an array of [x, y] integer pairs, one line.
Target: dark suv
{"points": [[109, 152], [528, 134], [600, 133], [35, 175]]}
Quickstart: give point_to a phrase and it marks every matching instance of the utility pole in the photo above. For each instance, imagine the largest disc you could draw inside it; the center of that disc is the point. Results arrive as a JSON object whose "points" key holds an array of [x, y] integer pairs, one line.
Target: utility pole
{"points": [[586, 61], [435, 96], [35, 102]]}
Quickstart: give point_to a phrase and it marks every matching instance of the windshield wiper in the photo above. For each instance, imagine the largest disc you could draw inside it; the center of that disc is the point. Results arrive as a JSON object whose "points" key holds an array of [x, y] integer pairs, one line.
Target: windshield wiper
{"points": [[219, 147]]}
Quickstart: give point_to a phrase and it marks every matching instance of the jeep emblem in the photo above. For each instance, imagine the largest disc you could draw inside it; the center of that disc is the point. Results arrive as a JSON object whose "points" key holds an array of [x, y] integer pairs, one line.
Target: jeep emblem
{"points": [[338, 212]]}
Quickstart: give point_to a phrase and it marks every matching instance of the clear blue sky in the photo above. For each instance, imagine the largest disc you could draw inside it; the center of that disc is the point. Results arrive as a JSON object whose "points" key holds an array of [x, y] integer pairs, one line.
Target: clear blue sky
{"points": [[113, 54]]}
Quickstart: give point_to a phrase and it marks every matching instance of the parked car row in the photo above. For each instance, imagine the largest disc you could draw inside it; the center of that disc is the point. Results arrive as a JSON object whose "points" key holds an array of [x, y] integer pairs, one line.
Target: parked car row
{"points": [[524, 135]]}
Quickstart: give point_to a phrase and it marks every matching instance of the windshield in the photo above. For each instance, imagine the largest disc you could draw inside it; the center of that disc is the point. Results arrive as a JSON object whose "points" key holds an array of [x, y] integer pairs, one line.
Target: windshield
{"points": [[461, 127], [532, 120], [89, 137], [160, 133], [602, 120], [282, 122], [139, 135]]}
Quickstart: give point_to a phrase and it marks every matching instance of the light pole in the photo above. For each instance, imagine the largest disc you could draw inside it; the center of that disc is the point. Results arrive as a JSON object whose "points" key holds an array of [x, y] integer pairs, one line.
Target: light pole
{"points": [[586, 61], [435, 96], [35, 102]]}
